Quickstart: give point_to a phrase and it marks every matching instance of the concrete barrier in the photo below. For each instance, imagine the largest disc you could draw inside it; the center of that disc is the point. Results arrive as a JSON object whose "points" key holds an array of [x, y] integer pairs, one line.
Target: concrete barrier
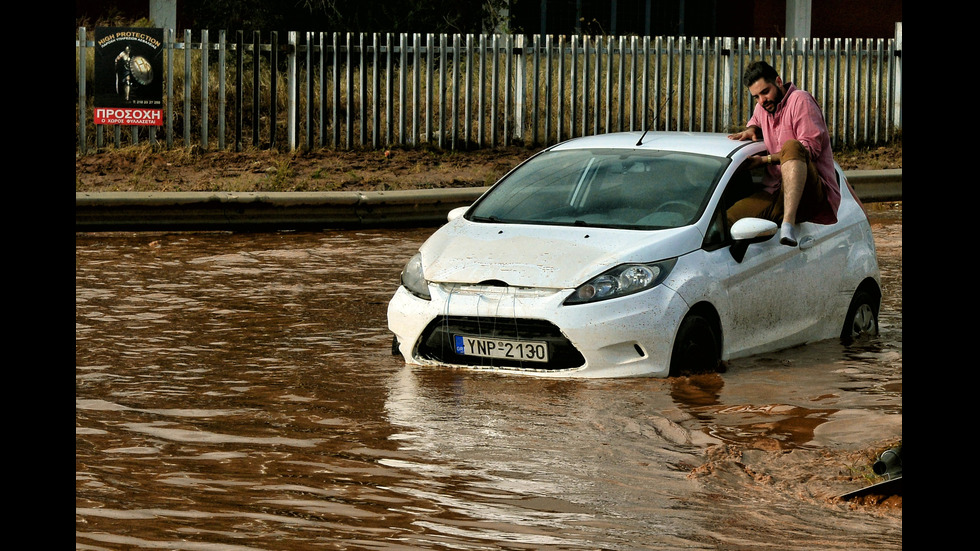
{"points": [[267, 211], [874, 186]]}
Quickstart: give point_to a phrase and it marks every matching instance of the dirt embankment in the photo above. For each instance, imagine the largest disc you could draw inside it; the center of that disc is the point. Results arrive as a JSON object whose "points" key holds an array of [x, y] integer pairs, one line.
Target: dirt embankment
{"points": [[142, 169]]}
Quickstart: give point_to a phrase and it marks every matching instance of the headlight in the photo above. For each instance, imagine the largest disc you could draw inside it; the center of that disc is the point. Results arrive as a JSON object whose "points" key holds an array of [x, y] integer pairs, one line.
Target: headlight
{"points": [[621, 281], [412, 278]]}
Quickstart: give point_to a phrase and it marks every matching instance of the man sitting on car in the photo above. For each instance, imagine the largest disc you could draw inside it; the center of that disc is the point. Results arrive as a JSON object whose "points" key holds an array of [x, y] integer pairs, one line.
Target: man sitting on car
{"points": [[799, 184]]}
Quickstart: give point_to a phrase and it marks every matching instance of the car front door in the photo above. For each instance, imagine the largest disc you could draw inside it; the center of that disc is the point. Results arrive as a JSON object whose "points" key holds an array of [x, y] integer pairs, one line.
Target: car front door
{"points": [[772, 292]]}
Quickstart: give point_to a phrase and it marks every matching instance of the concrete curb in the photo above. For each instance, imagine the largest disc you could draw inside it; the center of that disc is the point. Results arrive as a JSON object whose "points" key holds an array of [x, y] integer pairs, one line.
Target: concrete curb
{"points": [[261, 211]]}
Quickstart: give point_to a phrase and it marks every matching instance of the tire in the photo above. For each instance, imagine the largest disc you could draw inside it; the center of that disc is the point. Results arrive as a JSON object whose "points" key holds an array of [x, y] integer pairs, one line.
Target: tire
{"points": [[696, 349], [862, 317], [394, 346]]}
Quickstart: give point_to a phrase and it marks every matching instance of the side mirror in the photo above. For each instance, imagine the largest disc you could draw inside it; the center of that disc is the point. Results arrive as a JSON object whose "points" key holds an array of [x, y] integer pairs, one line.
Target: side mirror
{"points": [[456, 213], [753, 230], [750, 230]]}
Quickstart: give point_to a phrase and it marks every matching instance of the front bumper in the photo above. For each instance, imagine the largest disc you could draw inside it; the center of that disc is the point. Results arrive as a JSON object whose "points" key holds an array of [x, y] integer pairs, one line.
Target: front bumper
{"points": [[623, 337]]}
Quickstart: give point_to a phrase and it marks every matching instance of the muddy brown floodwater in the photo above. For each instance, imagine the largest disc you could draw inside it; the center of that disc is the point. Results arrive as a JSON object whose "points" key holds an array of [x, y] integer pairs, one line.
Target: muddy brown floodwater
{"points": [[237, 391]]}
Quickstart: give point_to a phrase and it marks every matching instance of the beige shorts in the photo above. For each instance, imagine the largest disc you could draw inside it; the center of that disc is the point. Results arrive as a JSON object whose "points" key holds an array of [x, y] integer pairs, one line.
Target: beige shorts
{"points": [[763, 204]]}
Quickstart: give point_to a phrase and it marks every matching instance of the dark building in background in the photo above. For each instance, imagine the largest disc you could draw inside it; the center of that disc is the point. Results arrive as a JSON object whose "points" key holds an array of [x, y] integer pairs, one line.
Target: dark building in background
{"points": [[707, 18], [759, 18]]}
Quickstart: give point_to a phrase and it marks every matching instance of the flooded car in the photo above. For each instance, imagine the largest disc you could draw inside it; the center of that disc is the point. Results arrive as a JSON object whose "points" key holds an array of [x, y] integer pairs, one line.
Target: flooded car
{"points": [[612, 256]]}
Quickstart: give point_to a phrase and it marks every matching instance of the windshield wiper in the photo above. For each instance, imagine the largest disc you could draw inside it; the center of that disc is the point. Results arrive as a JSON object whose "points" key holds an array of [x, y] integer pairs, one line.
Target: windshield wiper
{"points": [[493, 219]]}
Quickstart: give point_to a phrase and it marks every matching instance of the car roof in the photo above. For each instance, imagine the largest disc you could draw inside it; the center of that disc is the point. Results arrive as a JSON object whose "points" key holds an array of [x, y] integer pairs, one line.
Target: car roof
{"points": [[705, 143]]}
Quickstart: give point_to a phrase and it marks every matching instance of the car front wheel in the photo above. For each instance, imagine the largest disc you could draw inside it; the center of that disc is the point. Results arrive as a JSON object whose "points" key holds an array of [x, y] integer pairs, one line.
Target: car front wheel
{"points": [[862, 316], [696, 349]]}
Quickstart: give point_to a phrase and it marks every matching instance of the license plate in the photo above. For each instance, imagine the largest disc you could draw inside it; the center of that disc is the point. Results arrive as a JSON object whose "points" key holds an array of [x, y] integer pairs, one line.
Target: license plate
{"points": [[528, 351]]}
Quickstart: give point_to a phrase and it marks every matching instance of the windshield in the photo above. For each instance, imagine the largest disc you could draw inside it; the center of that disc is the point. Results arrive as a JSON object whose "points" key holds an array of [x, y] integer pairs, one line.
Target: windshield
{"points": [[609, 188]]}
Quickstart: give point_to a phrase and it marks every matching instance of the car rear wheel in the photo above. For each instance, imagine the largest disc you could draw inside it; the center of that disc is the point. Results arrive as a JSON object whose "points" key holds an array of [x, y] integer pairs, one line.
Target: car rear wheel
{"points": [[696, 349], [862, 316]]}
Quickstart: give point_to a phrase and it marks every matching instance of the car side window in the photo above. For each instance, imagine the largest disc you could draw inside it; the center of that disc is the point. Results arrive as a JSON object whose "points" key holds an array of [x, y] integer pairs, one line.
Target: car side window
{"points": [[717, 235], [744, 182]]}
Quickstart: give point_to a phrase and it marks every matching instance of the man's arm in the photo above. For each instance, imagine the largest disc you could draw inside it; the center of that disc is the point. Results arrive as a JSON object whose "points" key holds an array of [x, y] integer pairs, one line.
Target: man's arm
{"points": [[809, 127], [753, 133]]}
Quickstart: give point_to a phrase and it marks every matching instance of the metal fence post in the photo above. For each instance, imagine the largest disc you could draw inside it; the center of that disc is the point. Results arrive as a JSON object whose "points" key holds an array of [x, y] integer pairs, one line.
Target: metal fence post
{"points": [[204, 88], [897, 100], [520, 89], [222, 103], [292, 81], [727, 70], [349, 88], [402, 86], [169, 51], [82, 77], [187, 87]]}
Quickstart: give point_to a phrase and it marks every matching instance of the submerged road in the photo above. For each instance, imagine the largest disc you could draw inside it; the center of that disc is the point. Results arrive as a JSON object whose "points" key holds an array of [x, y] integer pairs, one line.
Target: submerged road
{"points": [[236, 391]]}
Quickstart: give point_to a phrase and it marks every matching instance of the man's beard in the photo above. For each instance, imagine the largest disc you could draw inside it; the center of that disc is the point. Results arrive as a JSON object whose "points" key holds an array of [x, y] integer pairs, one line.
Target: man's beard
{"points": [[770, 106]]}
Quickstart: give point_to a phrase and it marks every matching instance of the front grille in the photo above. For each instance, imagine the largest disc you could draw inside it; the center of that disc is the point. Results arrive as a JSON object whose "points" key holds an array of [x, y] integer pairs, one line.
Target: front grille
{"points": [[436, 342]]}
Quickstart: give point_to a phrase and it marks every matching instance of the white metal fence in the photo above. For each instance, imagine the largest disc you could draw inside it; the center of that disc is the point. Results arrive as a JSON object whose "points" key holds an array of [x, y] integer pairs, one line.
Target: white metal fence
{"points": [[347, 90]]}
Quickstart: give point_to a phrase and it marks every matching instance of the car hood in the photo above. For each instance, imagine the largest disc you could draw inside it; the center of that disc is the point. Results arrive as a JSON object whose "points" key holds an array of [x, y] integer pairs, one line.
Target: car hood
{"points": [[543, 256]]}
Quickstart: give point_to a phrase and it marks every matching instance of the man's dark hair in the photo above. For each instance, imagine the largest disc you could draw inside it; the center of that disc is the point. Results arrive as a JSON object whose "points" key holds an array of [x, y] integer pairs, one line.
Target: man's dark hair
{"points": [[757, 70]]}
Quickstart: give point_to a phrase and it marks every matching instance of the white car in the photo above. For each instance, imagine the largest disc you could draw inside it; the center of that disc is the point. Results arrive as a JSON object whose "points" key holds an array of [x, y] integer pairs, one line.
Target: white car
{"points": [[611, 256]]}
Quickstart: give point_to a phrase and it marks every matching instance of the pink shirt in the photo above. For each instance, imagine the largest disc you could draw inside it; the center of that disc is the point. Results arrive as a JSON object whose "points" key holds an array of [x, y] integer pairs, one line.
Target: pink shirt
{"points": [[798, 117]]}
